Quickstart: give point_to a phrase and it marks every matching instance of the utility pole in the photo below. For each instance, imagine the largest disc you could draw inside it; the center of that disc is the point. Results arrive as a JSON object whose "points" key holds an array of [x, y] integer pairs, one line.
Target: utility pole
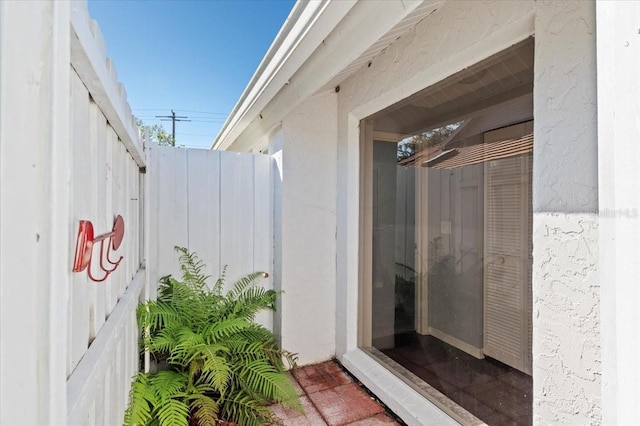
{"points": [[173, 118]]}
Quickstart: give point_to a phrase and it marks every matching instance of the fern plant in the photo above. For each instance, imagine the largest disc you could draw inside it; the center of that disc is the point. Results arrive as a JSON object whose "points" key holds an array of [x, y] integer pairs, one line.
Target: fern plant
{"points": [[219, 363]]}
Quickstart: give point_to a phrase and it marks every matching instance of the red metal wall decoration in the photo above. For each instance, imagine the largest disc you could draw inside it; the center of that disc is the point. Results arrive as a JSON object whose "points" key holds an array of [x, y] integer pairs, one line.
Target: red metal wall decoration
{"points": [[86, 241]]}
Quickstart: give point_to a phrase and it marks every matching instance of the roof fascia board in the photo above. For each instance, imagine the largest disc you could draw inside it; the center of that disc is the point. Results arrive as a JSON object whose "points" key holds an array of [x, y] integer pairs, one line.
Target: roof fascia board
{"points": [[365, 24], [308, 24]]}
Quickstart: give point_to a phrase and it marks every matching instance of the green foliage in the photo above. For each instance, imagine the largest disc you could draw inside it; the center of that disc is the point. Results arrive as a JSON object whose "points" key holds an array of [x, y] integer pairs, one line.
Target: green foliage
{"points": [[156, 133], [220, 364], [416, 143]]}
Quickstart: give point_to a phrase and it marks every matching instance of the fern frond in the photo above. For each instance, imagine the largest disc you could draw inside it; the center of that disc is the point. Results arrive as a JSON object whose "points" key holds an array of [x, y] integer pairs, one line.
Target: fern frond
{"points": [[253, 300], [165, 340], [192, 270], [167, 384], [142, 400], [242, 284], [290, 357], [251, 350], [244, 409], [204, 409], [156, 315], [215, 369], [165, 289], [173, 412], [186, 346], [219, 285], [225, 328], [184, 301], [263, 379], [258, 332]]}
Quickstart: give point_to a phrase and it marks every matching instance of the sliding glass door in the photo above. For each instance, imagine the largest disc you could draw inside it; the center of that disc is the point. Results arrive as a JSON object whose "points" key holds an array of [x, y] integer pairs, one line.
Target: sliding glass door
{"points": [[446, 291]]}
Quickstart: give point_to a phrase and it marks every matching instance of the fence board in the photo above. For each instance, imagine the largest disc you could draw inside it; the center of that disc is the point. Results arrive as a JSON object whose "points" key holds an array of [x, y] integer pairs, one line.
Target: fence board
{"points": [[263, 228], [109, 417], [134, 214], [111, 296], [262, 233], [236, 234], [100, 363], [172, 209], [99, 126], [91, 195], [120, 274], [152, 217], [99, 406], [79, 292], [117, 400], [229, 216], [204, 216], [245, 256], [180, 202], [124, 211]]}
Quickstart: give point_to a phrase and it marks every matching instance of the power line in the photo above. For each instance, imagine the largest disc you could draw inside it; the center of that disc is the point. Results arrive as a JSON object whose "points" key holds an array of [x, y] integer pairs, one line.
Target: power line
{"points": [[193, 119], [173, 118], [209, 118], [204, 112], [149, 109], [208, 121], [182, 110], [196, 134]]}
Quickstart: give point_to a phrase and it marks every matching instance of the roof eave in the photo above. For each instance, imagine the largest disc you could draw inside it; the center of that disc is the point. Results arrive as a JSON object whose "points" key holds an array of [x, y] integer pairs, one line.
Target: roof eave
{"points": [[319, 54], [303, 31]]}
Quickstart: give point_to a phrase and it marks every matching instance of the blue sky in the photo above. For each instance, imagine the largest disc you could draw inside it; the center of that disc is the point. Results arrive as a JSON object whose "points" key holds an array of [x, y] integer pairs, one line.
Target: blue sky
{"points": [[195, 57]]}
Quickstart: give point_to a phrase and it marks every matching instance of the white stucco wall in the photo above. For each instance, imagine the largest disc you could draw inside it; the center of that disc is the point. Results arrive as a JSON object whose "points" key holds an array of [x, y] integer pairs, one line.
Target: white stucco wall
{"points": [[566, 321], [308, 229]]}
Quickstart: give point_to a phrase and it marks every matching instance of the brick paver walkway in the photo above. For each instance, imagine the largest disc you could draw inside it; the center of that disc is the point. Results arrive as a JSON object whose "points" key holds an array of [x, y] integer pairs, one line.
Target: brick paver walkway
{"points": [[331, 397]]}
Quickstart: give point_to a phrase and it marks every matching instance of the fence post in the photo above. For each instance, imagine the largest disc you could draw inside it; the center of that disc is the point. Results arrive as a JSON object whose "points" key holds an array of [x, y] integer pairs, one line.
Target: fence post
{"points": [[35, 245]]}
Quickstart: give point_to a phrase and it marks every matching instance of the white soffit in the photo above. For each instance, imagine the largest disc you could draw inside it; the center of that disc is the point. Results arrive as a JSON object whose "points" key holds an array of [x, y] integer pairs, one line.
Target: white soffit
{"points": [[409, 22]]}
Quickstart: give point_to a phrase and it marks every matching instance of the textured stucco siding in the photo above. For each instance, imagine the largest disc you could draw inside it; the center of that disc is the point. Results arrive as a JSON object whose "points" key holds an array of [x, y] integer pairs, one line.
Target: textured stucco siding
{"points": [[566, 335], [566, 320], [308, 229]]}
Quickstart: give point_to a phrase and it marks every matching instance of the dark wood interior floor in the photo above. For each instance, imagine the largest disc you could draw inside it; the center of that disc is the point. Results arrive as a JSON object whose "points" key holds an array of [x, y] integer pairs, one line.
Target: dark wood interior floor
{"points": [[492, 391]]}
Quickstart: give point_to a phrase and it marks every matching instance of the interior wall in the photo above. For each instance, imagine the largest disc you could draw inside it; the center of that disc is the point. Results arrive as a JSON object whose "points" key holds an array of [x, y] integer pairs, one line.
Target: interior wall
{"points": [[308, 229], [455, 196], [383, 239]]}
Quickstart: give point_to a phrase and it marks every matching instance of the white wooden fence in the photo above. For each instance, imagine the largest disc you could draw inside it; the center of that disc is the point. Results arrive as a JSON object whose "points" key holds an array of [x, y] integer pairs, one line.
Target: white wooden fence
{"points": [[217, 204], [102, 345], [69, 151]]}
